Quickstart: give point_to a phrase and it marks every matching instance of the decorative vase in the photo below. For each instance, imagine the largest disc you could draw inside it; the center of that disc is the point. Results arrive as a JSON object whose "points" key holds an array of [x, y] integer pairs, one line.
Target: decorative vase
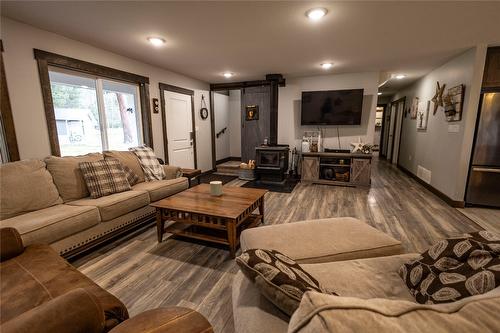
{"points": [[216, 188]]}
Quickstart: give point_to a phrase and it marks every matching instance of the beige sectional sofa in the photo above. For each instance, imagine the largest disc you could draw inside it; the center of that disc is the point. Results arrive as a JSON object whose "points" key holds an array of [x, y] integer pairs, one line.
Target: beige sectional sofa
{"points": [[359, 263], [48, 202]]}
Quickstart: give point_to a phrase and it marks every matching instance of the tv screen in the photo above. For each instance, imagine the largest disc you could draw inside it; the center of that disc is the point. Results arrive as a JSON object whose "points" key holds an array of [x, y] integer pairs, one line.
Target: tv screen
{"points": [[332, 107]]}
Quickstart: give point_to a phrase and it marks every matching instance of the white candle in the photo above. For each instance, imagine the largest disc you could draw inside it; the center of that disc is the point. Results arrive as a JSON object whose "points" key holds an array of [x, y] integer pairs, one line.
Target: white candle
{"points": [[216, 188]]}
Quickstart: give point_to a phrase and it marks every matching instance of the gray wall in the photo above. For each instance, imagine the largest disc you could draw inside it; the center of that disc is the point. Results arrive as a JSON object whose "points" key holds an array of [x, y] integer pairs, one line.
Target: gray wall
{"points": [[443, 152]]}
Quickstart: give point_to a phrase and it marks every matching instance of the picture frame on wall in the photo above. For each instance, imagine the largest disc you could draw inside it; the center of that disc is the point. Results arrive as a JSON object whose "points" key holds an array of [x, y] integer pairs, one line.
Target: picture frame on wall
{"points": [[422, 117], [453, 104], [414, 108], [252, 112]]}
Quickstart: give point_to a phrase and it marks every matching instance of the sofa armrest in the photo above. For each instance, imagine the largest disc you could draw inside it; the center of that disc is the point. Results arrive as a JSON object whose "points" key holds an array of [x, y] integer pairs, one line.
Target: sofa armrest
{"points": [[74, 312], [172, 172], [11, 244]]}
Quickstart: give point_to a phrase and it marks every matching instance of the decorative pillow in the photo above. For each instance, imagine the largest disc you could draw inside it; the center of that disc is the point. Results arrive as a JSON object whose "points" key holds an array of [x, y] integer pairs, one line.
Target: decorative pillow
{"points": [[149, 163], [131, 176], [279, 278], [104, 177], [455, 268]]}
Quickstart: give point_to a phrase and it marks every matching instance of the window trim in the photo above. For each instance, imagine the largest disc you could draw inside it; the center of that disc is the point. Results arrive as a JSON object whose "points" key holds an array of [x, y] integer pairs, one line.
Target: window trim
{"points": [[6, 114], [45, 59]]}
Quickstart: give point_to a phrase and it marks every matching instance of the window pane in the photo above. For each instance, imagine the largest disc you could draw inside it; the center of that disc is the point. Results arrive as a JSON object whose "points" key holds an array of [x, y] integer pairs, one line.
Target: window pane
{"points": [[123, 120], [76, 113]]}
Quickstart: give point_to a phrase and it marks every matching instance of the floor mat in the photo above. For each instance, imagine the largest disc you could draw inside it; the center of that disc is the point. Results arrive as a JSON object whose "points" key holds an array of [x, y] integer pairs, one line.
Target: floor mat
{"points": [[207, 178], [287, 187]]}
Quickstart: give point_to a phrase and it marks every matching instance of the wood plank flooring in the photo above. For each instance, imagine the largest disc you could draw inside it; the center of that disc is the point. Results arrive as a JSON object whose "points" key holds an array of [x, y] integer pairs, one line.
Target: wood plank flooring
{"points": [[146, 275], [488, 218]]}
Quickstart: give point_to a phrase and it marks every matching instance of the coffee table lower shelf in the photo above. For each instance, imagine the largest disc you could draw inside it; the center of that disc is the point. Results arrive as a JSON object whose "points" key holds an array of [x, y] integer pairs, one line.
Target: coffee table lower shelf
{"points": [[206, 233]]}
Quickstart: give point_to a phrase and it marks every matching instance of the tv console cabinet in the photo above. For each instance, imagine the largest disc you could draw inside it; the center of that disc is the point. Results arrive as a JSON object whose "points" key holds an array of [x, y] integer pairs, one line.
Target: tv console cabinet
{"points": [[345, 169]]}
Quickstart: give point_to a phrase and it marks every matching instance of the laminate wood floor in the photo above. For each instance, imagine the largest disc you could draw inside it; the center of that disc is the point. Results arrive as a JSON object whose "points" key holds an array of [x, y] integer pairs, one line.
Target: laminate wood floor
{"points": [[488, 218], [145, 274]]}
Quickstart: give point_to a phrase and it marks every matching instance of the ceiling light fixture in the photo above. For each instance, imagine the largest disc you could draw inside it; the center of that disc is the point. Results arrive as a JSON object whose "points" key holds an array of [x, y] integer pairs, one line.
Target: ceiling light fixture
{"points": [[400, 76], [156, 41], [227, 75], [316, 14], [379, 93], [326, 65]]}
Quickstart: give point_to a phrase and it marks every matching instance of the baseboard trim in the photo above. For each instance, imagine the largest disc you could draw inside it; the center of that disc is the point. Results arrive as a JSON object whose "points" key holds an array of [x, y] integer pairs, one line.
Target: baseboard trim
{"points": [[227, 159], [441, 195]]}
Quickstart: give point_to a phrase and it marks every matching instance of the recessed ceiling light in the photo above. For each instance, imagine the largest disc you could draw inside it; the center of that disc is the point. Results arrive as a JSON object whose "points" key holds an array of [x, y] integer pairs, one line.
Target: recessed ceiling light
{"points": [[227, 75], [379, 93], [156, 41], [326, 65], [316, 14], [400, 76]]}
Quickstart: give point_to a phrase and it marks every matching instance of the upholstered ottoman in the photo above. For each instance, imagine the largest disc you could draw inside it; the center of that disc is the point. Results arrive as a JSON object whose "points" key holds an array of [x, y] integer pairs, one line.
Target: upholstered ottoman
{"points": [[324, 240]]}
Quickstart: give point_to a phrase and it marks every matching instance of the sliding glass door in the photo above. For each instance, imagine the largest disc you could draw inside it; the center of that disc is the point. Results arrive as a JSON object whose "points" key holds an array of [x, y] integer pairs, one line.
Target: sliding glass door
{"points": [[94, 114]]}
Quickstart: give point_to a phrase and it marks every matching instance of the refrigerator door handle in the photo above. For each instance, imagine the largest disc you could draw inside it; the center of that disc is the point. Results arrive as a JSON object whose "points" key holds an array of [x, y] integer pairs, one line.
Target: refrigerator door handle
{"points": [[485, 170]]}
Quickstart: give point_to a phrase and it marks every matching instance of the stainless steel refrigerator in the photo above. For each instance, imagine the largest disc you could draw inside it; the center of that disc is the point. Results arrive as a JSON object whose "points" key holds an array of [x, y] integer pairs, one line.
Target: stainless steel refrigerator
{"points": [[483, 187]]}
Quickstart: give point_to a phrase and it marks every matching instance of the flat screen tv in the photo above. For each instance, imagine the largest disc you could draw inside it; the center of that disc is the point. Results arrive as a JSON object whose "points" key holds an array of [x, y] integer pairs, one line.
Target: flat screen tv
{"points": [[332, 107]]}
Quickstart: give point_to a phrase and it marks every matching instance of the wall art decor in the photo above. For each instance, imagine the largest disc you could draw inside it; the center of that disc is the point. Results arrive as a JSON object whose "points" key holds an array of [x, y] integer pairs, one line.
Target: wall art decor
{"points": [[438, 97], [422, 117], [252, 112], [453, 103], [414, 108]]}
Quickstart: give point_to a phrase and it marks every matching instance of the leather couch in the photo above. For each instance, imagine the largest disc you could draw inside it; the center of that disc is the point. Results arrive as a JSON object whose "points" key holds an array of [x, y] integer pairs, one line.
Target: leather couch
{"points": [[48, 202], [40, 292]]}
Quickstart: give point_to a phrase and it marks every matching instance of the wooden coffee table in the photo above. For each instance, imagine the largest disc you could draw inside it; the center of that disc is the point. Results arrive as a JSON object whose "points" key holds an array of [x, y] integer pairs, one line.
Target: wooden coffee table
{"points": [[197, 214]]}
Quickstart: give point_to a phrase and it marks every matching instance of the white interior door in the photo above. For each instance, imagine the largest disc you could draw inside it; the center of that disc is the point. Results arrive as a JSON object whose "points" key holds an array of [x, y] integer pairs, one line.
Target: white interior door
{"points": [[180, 134]]}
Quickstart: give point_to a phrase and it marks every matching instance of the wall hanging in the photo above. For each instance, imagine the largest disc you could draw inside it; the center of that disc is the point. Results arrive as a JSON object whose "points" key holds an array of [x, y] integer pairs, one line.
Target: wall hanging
{"points": [[438, 97], [203, 110], [422, 117], [414, 108], [453, 103], [252, 112]]}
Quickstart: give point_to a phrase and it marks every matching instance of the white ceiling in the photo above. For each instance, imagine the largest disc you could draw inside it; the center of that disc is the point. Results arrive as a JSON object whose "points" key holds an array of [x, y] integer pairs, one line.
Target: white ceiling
{"points": [[252, 39]]}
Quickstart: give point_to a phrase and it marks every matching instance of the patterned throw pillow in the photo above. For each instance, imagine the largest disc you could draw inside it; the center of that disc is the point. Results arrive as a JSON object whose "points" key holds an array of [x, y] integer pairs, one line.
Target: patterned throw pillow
{"points": [[131, 176], [455, 268], [149, 163], [279, 278], [104, 177]]}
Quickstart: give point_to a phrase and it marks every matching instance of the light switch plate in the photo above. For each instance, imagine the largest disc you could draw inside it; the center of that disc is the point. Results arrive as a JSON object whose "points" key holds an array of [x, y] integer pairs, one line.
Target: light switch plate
{"points": [[453, 128]]}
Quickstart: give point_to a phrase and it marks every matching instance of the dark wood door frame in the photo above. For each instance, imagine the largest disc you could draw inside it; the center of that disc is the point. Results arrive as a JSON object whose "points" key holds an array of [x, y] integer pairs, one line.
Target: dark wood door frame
{"points": [[381, 141], [402, 99], [273, 80], [167, 87], [6, 114]]}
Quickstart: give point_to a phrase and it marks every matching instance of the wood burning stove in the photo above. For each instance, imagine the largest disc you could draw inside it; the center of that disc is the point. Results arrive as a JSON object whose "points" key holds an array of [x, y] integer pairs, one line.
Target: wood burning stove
{"points": [[272, 163]]}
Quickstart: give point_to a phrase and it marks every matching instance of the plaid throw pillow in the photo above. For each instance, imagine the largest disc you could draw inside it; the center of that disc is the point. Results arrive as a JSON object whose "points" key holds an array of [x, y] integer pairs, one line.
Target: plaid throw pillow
{"points": [[104, 177], [149, 163], [131, 176]]}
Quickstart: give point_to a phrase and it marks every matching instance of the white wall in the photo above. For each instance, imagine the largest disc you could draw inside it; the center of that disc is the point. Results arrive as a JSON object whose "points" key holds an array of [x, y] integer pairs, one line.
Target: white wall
{"points": [[445, 154], [289, 129], [235, 122], [23, 81], [221, 118]]}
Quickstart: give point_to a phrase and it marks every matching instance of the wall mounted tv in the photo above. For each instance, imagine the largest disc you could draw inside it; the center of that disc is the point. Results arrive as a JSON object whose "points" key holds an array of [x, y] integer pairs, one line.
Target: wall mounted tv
{"points": [[332, 107]]}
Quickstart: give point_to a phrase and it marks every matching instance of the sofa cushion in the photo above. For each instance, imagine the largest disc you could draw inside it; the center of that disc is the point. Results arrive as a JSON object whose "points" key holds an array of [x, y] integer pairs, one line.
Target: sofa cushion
{"points": [[67, 175], [26, 186], [115, 205], [279, 278], [455, 268], [252, 312], [325, 313], [322, 240], [51, 224], [38, 275], [160, 189], [129, 159], [104, 177], [364, 278]]}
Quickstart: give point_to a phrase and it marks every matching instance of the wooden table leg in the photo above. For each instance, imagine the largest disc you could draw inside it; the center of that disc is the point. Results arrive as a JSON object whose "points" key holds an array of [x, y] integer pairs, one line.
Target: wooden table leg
{"points": [[160, 224], [231, 237], [261, 209]]}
